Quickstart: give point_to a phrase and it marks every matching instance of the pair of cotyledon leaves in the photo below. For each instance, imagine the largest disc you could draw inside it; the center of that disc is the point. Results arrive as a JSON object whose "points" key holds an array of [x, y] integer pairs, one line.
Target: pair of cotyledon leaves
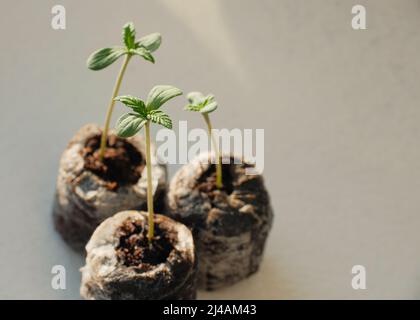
{"points": [[199, 102], [131, 123], [143, 47]]}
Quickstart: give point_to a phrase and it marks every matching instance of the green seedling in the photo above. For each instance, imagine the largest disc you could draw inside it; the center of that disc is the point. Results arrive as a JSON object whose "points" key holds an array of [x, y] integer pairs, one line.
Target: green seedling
{"points": [[142, 114], [102, 58], [205, 105]]}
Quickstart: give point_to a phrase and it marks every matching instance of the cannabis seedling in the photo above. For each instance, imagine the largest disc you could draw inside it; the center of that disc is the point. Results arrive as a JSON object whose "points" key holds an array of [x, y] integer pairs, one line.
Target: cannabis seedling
{"points": [[102, 58], [142, 114], [205, 105]]}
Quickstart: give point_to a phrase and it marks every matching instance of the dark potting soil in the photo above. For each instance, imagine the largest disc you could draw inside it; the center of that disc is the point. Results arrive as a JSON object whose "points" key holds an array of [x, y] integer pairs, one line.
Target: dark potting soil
{"points": [[207, 182], [134, 249], [227, 221], [122, 163]]}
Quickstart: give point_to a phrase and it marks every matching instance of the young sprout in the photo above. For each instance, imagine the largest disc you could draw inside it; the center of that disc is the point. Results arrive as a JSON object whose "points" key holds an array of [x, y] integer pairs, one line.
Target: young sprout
{"points": [[205, 105], [102, 58], [142, 114]]}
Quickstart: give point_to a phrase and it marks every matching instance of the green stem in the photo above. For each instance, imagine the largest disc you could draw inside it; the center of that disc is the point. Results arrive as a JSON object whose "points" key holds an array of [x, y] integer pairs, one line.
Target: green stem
{"points": [[219, 183], [151, 230], [111, 107]]}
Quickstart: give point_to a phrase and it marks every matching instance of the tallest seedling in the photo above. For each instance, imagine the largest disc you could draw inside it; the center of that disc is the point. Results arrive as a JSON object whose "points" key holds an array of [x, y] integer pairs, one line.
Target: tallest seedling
{"points": [[102, 58]]}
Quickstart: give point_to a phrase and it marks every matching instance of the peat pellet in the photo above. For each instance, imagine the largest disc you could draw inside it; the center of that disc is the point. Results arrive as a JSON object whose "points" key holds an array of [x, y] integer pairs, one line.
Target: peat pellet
{"points": [[121, 265], [89, 191], [230, 225]]}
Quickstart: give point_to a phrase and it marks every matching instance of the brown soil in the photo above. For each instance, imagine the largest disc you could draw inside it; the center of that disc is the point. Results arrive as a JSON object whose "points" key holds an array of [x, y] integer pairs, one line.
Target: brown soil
{"points": [[134, 249], [207, 182], [226, 221], [122, 163]]}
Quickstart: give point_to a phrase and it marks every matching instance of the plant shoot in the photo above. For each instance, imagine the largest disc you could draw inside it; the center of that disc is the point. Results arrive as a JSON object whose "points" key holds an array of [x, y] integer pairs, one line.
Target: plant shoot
{"points": [[205, 105], [102, 58], [142, 114]]}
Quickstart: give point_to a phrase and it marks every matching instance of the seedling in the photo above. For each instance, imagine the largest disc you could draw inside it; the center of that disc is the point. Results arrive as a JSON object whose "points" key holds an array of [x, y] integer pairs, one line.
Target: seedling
{"points": [[102, 58], [205, 105], [142, 114]]}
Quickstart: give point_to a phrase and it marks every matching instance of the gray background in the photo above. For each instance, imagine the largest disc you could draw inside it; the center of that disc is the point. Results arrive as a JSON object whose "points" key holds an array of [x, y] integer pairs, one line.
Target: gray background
{"points": [[339, 108]]}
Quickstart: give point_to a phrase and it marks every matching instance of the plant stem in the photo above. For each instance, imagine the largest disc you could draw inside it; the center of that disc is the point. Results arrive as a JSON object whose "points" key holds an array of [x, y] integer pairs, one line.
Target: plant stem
{"points": [[111, 106], [151, 230], [219, 183]]}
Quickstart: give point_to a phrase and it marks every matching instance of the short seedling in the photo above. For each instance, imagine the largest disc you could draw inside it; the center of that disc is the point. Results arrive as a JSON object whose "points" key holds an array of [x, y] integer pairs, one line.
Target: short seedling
{"points": [[205, 105], [102, 58], [142, 114]]}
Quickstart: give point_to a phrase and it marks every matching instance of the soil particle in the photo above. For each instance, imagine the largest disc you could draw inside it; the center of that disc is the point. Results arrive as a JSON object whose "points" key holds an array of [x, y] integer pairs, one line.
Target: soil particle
{"points": [[134, 249], [122, 163], [207, 182]]}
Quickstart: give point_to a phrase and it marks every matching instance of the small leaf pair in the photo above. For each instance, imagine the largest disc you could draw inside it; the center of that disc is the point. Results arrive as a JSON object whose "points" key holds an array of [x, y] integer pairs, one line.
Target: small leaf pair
{"points": [[142, 112], [205, 105], [199, 102], [144, 47]]}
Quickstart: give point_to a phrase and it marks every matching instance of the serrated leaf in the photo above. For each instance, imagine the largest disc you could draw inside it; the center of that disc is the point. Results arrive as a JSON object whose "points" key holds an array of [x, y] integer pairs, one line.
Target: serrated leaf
{"points": [[161, 94], [191, 107], [209, 98], [129, 100], [210, 107], [160, 117], [102, 58], [143, 53], [129, 124], [134, 103], [151, 42], [129, 35]]}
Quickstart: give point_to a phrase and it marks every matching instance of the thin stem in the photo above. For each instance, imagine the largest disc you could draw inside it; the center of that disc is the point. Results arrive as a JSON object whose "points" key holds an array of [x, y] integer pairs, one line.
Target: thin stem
{"points": [[151, 230], [219, 180], [111, 106]]}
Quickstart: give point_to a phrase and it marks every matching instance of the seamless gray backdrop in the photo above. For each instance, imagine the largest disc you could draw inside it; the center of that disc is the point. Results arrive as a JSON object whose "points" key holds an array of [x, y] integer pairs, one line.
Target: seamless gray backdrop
{"points": [[339, 108]]}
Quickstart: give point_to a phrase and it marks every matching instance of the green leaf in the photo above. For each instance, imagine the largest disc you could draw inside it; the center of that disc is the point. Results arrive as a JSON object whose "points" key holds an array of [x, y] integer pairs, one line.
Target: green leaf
{"points": [[143, 53], [209, 98], [134, 103], [160, 117], [129, 124], [129, 100], [191, 107], [159, 95], [210, 107], [196, 98], [102, 58], [129, 35], [201, 103], [151, 42]]}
